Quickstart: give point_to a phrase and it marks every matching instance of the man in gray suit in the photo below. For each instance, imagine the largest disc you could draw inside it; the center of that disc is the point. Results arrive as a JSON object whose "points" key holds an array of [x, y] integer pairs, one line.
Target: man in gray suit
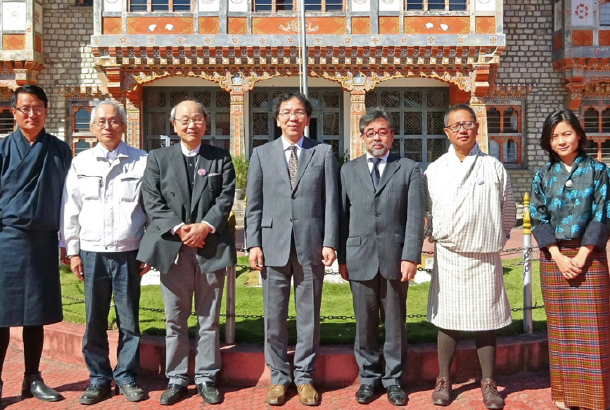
{"points": [[188, 193], [292, 231], [382, 228]]}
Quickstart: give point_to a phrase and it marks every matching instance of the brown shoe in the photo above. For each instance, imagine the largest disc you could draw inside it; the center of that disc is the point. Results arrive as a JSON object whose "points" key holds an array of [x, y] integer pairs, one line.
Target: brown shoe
{"points": [[441, 396], [276, 395], [491, 397], [307, 394]]}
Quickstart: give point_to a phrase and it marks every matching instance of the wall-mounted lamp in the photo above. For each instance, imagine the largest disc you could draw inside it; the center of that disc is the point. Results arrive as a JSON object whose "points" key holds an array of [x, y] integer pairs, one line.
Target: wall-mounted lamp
{"points": [[237, 79], [359, 79]]}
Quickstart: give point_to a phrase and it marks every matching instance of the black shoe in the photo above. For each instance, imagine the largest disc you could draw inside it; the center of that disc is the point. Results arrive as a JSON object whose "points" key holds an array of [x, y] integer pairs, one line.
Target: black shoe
{"points": [[173, 394], [365, 393], [209, 392], [131, 391], [396, 395], [95, 393], [33, 386]]}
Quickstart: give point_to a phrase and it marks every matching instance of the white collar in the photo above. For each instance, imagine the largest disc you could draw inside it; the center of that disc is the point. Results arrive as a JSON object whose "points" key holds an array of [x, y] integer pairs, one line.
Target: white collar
{"points": [[188, 153], [287, 144], [384, 157], [102, 152]]}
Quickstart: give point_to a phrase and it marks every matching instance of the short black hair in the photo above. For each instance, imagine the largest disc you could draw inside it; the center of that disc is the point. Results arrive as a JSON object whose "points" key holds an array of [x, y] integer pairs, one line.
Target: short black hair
{"points": [[30, 89], [289, 96], [459, 107], [373, 114], [554, 118]]}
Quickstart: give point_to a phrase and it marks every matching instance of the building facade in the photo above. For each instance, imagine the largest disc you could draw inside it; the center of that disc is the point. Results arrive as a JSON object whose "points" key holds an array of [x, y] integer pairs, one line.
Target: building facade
{"points": [[512, 61]]}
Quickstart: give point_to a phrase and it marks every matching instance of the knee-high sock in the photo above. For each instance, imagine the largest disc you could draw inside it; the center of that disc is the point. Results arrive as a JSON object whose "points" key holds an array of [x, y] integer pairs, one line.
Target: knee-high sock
{"points": [[5, 335], [447, 341], [486, 349], [33, 340]]}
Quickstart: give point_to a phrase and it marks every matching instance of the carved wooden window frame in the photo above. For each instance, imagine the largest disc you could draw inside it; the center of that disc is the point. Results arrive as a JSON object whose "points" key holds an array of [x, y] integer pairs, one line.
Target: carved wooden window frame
{"points": [[274, 5], [426, 6], [149, 8], [8, 108], [502, 137], [596, 139], [76, 135]]}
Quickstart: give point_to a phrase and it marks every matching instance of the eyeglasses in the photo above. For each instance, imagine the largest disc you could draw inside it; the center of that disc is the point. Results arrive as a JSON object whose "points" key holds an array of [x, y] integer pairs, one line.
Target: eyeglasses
{"points": [[382, 132], [112, 123], [288, 114], [468, 125], [196, 121], [30, 110]]}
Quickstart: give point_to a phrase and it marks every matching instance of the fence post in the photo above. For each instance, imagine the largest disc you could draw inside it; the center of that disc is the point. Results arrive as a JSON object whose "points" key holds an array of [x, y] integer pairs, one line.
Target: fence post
{"points": [[527, 266], [230, 297]]}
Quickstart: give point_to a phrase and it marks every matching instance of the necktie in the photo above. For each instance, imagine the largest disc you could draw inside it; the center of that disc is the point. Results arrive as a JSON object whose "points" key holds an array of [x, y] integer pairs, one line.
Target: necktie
{"points": [[293, 165], [375, 172]]}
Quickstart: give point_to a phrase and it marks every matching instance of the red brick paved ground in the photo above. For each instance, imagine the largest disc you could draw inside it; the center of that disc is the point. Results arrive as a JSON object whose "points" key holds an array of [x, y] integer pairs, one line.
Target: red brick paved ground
{"points": [[525, 391]]}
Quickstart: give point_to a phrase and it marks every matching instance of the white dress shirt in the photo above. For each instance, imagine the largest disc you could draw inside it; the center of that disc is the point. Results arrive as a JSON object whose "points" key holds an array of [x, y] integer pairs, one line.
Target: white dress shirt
{"points": [[381, 166], [287, 144], [102, 204]]}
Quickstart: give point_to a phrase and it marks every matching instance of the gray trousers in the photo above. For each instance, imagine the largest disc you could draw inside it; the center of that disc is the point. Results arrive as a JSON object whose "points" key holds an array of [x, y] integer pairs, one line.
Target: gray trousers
{"points": [[184, 279], [370, 298], [308, 282]]}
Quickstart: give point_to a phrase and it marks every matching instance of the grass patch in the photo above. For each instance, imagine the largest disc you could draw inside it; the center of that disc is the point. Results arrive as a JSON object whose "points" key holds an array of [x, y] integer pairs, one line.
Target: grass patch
{"points": [[336, 301]]}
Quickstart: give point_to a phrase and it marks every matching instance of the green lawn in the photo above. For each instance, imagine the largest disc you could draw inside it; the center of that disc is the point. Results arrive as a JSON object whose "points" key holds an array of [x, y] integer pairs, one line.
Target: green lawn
{"points": [[336, 301]]}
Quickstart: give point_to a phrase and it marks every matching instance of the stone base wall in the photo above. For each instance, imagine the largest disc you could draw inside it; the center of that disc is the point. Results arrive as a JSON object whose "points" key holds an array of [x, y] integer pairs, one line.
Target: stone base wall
{"points": [[68, 58]]}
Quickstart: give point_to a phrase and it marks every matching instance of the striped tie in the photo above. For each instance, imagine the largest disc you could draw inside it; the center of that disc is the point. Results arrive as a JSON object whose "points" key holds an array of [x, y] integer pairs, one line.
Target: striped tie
{"points": [[375, 172], [293, 165]]}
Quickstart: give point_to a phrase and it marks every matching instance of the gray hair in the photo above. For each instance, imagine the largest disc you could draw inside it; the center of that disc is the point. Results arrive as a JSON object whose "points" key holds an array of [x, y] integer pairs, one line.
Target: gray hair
{"points": [[373, 114], [115, 105], [459, 107], [172, 115]]}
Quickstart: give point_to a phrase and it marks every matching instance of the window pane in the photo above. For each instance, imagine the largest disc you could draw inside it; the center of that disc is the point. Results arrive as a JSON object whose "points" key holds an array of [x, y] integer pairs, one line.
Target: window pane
{"points": [[334, 5], [511, 121], [262, 5], [413, 99], [260, 99], [494, 149], [160, 5], [436, 99], [370, 99], [330, 123], [223, 124], [493, 121], [604, 14], [81, 146], [182, 5], [223, 99], [137, 5], [413, 149], [436, 148], [313, 5], [6, 122], [81, 120], [156, 98], [606, 120], [176, 97], [285, 5], [313, 99], [510, 152], [591, 120], [260, 123], [436, 4], [415, 4], [390, 98], [457, 5], [435, 123], [331, 99], [413, 123]]}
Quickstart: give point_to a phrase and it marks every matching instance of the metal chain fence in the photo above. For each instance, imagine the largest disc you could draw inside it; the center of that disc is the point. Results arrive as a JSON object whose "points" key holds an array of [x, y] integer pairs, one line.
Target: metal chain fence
{"points": [[345, 317]]}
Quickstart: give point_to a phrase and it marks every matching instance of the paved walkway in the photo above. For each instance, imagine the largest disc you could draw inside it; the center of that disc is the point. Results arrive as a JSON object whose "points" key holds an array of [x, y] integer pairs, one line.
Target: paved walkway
{"points": [[525, 391]]}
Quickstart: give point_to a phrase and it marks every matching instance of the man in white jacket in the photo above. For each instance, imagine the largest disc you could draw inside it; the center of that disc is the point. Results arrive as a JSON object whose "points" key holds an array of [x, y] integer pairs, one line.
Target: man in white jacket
{"points": [[102, 222]]}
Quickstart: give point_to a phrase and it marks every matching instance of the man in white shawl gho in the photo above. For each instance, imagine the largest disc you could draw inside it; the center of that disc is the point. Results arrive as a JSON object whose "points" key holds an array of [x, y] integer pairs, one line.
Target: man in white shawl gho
{"points": [[471, 211]]}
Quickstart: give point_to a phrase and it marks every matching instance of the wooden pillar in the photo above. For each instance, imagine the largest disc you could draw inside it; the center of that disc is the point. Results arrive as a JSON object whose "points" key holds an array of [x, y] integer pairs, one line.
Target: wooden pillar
{"points": [[133, 108], [478, 105], [238, 140], [357, 109]]}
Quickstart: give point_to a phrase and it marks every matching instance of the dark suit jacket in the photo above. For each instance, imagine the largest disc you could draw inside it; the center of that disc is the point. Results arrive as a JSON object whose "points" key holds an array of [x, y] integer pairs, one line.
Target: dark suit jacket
{"points": [[167, 203], [379, 229], [275, 211]]}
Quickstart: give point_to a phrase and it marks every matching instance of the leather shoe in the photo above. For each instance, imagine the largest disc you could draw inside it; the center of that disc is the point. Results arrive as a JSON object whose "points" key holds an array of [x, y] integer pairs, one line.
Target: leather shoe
{"points": [[441, 396], [365, 393], [95, 393], [396, 395], [33, 386], [491, 397], [276, 395], [173, 394], [307, 394], [131, 391], [209, 392]]}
